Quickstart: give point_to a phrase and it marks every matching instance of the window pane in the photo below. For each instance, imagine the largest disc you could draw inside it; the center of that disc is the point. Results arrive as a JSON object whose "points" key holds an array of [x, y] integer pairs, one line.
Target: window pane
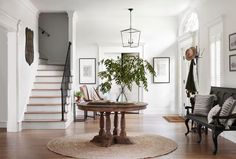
{"points": [[212, 49], [191, 23], [218, 63]]}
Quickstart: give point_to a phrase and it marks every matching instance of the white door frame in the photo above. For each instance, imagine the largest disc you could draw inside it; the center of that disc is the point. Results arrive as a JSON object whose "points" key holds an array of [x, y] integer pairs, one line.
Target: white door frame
{"points": [[186, 40]]}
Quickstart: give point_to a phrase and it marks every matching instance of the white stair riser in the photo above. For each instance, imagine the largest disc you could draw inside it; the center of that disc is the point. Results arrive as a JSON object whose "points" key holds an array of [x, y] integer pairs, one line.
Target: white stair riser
{"points": [[46, 100], [44, 125], [41, 122], [46, 93], [49, 73], [50, 67], [44, 116], [48, 79], [47, 86], [45, 108]]}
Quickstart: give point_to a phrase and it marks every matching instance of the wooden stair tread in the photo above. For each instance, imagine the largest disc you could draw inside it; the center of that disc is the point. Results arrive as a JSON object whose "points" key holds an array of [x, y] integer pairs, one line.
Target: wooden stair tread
{"points": [[46, 89], [49, 70], [45, 96], [43, 120], [49, 82], [42, 112], [44, 104], [53, 64], [49, 76]]}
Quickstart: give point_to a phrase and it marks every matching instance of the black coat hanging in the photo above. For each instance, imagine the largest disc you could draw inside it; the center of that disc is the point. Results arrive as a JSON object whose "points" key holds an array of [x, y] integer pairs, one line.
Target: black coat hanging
{"points": [[190, 84]]}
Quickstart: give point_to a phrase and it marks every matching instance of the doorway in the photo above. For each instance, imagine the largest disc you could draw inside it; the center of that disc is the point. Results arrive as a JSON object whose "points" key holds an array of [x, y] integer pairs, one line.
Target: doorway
{"points": [[116, 50], [185, 43], [134, 94]]}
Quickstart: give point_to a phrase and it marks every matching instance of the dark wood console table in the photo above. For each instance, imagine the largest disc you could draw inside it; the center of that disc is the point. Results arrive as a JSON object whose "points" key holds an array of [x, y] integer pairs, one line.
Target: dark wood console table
{"points": [[105, 138]]}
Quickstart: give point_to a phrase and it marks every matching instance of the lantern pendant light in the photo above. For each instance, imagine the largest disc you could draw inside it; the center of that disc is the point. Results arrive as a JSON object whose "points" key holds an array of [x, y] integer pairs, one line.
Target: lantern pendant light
{"points": [[130, 37]]}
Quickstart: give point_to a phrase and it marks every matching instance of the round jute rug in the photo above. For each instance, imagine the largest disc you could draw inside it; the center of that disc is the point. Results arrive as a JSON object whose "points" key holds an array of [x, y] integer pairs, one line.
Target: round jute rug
{"points": [[145, 146]]}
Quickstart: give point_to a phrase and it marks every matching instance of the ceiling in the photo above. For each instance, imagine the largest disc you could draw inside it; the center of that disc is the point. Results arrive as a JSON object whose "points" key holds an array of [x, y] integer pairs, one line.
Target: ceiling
{"points": [[104, 8]]}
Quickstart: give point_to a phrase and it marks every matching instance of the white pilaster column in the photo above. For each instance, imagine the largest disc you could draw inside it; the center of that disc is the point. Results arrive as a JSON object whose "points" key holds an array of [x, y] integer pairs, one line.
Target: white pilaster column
{"points": [[12, 91]]}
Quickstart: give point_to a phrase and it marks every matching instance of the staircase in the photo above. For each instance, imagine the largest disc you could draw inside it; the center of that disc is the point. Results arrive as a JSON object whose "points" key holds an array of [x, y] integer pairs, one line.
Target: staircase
{"points": [[44, 107]]}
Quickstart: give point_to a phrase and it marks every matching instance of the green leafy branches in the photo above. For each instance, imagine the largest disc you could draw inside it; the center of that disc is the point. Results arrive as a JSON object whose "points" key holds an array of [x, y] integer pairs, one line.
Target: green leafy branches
{"points": [[78, 94], [124, 71]]}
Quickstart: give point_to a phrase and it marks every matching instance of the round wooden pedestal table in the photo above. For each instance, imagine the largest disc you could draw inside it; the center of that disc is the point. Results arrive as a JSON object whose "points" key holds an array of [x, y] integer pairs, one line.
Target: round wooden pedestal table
{"points": [[105, 138]]}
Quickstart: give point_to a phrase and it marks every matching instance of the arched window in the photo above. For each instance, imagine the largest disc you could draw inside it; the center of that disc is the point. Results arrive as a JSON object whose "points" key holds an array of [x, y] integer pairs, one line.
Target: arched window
{"points": [[190, 23]]}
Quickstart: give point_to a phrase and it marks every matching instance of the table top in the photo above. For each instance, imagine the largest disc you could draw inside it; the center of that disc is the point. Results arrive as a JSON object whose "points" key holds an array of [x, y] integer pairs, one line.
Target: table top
{"points": [[111, 107]]}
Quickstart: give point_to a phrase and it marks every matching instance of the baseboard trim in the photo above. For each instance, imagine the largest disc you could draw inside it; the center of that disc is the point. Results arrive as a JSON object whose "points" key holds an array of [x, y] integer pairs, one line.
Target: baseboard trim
{"points": [[3, 124]]}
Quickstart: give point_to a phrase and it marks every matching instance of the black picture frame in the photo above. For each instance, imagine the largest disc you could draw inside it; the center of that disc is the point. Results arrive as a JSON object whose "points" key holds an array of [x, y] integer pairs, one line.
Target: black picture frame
{"points": [[161, 66], [232, 62], [232, 42], [87, 70]]}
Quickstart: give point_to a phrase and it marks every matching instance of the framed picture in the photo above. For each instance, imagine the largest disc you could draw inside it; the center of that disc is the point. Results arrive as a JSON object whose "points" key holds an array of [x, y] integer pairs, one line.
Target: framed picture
{"points": [[232, 42], [87, 70], [232, 62], [161, 66]]}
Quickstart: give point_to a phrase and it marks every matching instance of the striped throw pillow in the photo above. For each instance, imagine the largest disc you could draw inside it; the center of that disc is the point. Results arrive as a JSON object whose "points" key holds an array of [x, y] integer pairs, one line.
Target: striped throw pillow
{"points": [[214, 111], [231, 121], [227, 109], [203, 104]]}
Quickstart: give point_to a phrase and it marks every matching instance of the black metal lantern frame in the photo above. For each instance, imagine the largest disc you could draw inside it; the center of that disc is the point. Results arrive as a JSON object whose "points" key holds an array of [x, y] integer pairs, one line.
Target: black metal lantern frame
{"points": [[130, 37]]}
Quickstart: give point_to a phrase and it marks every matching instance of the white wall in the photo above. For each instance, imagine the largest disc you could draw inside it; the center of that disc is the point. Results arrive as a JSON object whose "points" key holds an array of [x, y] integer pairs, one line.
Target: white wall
{"points": [[54, 47], [26, 14], [208, 12], [157, 33], [3, 77]]}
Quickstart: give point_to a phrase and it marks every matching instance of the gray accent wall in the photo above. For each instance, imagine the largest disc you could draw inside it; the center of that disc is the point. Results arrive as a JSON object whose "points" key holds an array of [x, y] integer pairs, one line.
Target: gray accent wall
{"points": [[3, 77], [54, 47]]}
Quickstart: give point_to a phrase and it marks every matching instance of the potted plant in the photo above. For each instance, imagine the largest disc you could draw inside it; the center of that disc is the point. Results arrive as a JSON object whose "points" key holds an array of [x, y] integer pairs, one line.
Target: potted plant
{"points": [[78, 95], [125, 71]]}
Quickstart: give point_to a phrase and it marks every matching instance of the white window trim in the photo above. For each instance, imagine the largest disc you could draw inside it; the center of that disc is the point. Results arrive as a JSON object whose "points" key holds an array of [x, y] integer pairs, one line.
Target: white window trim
{"points": [[217, 35], [184, 21]]}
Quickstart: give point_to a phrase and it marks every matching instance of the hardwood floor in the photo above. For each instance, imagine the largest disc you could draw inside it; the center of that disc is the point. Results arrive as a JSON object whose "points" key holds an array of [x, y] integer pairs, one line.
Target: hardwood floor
{"points": [[31, 144]]}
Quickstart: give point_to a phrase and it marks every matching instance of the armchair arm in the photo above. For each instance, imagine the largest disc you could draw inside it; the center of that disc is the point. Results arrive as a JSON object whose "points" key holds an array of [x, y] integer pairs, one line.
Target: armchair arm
{"points": [[231, 116], [188, 108], [217, 117]]}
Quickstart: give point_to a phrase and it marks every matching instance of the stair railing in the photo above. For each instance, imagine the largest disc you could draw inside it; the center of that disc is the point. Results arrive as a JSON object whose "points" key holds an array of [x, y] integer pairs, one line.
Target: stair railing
{"points": [[65, 83]]}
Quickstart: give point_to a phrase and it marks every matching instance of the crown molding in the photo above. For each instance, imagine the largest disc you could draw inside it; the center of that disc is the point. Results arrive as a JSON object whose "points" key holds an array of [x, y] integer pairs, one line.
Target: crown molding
{"points": [[29, 5], [7, 21]]}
